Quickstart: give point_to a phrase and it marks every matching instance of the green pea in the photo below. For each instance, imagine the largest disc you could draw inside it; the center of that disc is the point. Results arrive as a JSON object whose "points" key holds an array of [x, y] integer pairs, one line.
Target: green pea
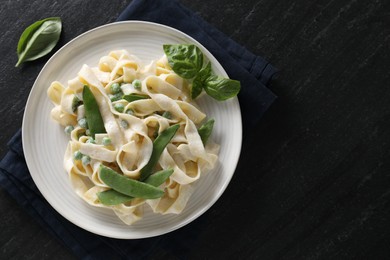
{"points": [[159, 145], [92, 113], [205, 130], [106, 141], [85, 159], [115, 88], [137, 84], [77, 155], [83, 123], [90, 141], [112, 197], [127, 186], [130, 111], [68, 129], [167, 115], [115, 97], [124, 124], [119, 107]]}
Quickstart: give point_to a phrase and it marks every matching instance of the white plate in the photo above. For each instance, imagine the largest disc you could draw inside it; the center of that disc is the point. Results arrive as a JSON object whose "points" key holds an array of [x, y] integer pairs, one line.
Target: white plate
{"points": [[44, 141]]}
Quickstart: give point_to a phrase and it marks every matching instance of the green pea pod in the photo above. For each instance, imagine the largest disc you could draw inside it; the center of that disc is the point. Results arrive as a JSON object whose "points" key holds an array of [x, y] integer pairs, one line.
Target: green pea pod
{"points": [[134, 97], [158, 178], [205, 130], [159, 145], [128, 186], [112, 197], [92, 113]]}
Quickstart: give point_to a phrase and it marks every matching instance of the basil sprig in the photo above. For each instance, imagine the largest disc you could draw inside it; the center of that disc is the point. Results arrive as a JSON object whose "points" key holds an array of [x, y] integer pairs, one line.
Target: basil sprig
{"points": [[186, 61], [38, 39]]}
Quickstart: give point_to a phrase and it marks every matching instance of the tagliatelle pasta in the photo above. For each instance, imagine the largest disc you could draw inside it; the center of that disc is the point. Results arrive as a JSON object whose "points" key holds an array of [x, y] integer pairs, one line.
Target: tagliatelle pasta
{"points": [[136, 103]]}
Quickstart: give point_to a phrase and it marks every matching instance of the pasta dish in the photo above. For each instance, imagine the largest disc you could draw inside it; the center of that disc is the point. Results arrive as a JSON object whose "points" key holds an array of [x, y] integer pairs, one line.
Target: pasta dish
{"points": [[136, 136]]}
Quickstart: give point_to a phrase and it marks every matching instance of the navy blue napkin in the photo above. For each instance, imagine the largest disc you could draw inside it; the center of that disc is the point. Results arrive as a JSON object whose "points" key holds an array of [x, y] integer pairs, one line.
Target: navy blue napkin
{"points": [[254, 73]]}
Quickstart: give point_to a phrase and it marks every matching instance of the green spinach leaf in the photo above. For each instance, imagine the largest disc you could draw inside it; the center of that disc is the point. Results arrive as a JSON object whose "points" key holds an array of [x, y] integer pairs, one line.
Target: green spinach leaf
{"points": [[186, 60], [38, 39]]}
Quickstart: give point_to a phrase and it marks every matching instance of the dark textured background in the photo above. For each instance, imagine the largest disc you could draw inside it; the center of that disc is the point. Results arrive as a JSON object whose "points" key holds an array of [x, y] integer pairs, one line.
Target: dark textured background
{"points": [[314, 183]]}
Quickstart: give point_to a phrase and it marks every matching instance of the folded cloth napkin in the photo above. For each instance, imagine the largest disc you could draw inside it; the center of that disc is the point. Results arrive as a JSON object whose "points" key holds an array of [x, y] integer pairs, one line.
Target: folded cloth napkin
{"points": [[254, 73]]}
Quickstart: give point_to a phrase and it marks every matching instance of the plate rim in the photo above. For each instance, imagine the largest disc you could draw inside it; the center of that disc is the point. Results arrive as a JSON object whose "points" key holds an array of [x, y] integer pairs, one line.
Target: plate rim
{"points": [[28, 158]]}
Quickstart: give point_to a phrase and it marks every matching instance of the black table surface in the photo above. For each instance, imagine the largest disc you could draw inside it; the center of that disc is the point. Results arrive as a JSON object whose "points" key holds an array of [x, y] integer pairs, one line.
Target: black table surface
{"points": [[314, 183]]}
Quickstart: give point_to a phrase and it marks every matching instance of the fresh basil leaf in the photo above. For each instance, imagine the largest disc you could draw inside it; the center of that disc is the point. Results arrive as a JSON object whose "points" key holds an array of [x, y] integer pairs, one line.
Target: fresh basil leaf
{"points": [[197, 87], [199, 80], [205, 130], [221, 88], [185, 59], [38, 39]]}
